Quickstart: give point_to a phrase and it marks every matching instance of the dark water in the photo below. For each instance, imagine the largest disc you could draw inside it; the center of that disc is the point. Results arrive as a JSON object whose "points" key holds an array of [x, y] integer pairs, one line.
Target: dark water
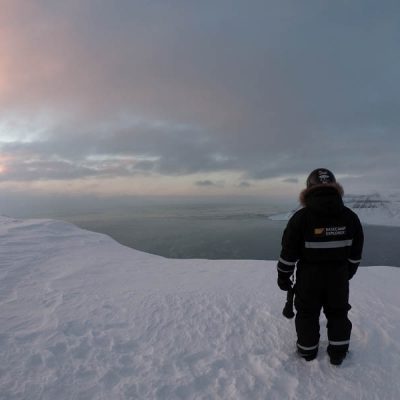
{"points": [[217, 232]]}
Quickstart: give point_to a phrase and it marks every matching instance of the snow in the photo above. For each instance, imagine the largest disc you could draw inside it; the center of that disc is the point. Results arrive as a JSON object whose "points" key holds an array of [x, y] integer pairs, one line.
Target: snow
{"points": [[82, 317]]}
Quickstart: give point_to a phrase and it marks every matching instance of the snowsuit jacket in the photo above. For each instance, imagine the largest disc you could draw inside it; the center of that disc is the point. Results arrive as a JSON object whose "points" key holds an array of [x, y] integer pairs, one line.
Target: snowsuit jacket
{"points": [[323, 233]]}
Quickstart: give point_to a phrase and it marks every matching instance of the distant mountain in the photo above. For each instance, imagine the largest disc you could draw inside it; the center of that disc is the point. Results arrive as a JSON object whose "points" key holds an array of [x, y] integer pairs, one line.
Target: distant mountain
{"points": [[372, 209], [375, 209]]}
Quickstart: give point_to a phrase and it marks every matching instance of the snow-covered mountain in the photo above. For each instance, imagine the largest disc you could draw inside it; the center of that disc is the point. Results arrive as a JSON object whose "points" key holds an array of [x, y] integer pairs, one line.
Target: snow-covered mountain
{"points": [[372, 209], [82, 317], [375, 209]]}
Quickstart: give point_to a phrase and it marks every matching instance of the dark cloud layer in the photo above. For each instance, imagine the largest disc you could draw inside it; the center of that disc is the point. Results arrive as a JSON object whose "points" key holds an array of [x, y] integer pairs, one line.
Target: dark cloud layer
{"points": [[207, 183], [263, 88]]}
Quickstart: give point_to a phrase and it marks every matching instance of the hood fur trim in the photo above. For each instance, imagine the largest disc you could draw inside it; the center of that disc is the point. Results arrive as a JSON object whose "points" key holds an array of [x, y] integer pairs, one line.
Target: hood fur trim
{"points": [[304, 193]]}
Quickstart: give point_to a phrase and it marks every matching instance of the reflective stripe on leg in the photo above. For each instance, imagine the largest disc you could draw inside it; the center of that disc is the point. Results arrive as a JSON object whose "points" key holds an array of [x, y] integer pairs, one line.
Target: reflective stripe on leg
{"points": [[339, 343], [307, 348]]}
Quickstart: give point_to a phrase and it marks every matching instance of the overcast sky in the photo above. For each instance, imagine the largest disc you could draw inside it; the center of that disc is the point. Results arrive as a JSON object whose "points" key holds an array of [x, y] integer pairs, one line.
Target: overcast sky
{"points": [[198, 97]]}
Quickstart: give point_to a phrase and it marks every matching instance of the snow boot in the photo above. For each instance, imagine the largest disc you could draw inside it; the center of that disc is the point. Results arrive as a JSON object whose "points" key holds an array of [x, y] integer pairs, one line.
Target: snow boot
{"points": [[336, 357], [307, 355]]}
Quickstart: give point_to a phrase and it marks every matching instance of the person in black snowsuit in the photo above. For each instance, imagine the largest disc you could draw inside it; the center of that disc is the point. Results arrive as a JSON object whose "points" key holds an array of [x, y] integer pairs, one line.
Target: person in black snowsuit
{"points": [[324, 242]]}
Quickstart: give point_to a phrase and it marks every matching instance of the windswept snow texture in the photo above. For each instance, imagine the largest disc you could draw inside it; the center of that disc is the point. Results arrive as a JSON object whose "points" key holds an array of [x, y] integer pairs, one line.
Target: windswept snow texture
{"points": [[372, 209], [82, 317]]}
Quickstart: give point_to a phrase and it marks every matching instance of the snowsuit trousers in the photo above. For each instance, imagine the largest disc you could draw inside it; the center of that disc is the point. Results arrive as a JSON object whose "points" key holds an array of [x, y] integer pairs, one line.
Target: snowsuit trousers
{"points": [[322, 287]]}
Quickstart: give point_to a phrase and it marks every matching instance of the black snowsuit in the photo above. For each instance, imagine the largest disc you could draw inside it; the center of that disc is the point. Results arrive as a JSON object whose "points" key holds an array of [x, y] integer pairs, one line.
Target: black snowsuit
{"points": [[324, 240]]}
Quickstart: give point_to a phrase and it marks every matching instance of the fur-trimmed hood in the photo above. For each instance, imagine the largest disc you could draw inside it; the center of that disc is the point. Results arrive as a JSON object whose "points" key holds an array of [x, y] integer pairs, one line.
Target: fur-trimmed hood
{"points": [[333, 187]]}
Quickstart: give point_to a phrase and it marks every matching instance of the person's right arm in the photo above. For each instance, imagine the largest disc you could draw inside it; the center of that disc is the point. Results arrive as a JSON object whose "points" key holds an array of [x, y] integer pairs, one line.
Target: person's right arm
{"points": [[291, 250]]}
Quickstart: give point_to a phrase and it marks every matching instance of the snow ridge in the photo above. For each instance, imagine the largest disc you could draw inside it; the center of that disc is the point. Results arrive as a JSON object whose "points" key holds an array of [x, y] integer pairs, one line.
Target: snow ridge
{"points": [[83, 317]]}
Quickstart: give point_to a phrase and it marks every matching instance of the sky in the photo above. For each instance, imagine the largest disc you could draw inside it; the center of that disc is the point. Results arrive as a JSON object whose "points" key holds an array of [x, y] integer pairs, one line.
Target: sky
{"points": [[197, 98]]}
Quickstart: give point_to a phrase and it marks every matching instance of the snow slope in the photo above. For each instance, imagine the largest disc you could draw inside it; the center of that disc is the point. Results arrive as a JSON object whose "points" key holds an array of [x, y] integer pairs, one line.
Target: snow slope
{"points": [[82, 317]]}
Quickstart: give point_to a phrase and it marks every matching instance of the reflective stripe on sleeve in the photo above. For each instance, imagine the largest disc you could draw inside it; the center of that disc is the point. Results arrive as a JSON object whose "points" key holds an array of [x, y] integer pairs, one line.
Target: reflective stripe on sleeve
{"points": [[290, 263], [328, 245], [354, 261], [285, 270]]}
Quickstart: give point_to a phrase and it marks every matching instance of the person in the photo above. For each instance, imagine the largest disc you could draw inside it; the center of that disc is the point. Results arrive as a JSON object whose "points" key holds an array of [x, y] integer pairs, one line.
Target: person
{"points": [[323, 242]]}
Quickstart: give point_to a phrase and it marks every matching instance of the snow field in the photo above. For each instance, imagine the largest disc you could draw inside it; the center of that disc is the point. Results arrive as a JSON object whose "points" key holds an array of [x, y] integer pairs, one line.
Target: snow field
{"points": [[82, 317]]}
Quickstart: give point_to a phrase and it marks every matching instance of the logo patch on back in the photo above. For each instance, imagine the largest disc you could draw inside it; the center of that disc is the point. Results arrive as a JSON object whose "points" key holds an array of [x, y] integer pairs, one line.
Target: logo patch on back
{"points": [[330, 231]]}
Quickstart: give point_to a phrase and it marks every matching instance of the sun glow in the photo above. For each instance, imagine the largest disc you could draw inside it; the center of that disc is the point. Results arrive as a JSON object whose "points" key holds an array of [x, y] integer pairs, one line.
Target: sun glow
{"points": [[3, 164]]}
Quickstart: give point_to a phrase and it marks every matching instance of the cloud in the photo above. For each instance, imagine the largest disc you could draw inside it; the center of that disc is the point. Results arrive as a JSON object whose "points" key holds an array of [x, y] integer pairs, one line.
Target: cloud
{"points": [[208, 183], [162, 148], [291, 180], [267, 90]]}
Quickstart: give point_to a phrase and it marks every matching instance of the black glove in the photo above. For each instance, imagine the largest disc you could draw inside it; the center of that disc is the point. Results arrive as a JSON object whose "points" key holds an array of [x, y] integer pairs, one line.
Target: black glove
{"points": [[284, 281]]}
